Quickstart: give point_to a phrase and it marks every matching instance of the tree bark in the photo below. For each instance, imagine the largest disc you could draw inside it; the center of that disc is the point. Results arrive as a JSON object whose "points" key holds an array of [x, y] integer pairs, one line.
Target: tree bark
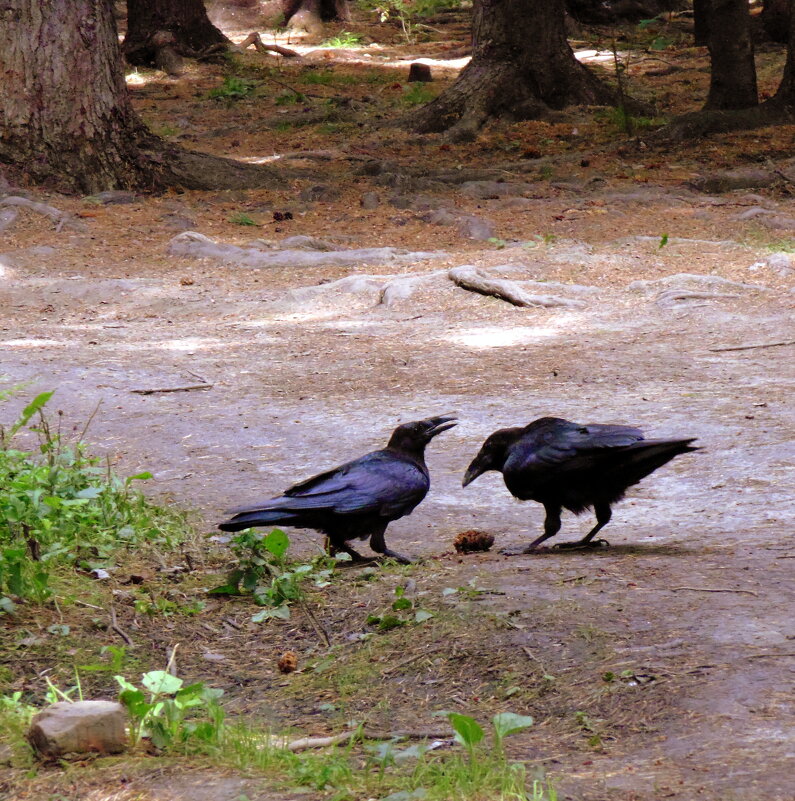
{"points": [[733, 72], [191, 32], [65, 114], [521, 66], [775, 19], [701, 9]]}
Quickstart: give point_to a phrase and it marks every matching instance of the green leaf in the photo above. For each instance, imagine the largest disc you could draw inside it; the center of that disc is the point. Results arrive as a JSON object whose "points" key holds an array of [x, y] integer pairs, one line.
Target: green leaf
{"points": [[277, 542], [506, 723], [467, 730], [145, 476], [37, 403], [402, 603], [281, 612], [160, 682]]}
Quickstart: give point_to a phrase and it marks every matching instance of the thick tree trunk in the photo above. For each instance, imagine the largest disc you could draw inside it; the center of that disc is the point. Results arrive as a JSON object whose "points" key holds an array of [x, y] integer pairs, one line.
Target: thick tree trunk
{"points": [[149, 22], [785, 94], [521, 66], [309, 15], [701, 9], [775, 19], [65, 115], [733, 72]]}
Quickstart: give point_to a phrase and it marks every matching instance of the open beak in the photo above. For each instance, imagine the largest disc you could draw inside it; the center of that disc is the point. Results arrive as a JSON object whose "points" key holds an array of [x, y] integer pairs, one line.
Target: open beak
{"points": [[438, 424], [478, 467]]}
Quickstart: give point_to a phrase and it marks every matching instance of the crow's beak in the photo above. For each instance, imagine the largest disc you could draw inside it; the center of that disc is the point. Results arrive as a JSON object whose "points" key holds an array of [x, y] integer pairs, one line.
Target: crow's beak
{"points": [[478, 467], [438, 424]]}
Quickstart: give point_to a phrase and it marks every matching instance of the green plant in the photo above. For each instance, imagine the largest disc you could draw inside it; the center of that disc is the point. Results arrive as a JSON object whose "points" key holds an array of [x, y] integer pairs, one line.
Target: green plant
{"points": [[386, 621], [233, 88], [289, 98], [262, 570], [63, 506], [240, 218], [343, 39], [170, 713], [418, 94]]}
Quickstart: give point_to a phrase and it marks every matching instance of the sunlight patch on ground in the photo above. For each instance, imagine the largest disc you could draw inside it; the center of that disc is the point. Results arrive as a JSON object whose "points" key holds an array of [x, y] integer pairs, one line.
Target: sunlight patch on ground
{"points": [[494, 337], [137, 79], [36, 343], [599, 56]]}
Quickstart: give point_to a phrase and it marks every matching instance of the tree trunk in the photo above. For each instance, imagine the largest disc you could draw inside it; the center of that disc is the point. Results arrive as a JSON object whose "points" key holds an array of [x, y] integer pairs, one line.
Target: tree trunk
{"points": [[775, 19], [65, 115], [733, 72], [785, 94], [150, 22], [521, 66], [701, 9], [309, 15]]}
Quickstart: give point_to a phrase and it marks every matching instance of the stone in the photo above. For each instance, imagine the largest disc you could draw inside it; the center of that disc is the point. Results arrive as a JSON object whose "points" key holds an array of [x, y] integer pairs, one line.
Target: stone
{"points": [[495, 189], [781, 262], [114, 196], [476, 228], [80, 727], [370, 201], [320, 192]]}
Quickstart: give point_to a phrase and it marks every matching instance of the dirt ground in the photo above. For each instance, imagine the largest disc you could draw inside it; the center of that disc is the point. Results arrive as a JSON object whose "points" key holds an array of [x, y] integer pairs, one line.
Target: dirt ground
{"points": [[695, 599]]}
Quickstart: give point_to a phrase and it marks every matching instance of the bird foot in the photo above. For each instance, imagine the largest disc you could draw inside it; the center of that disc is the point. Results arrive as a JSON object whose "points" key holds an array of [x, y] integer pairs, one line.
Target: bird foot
{"points": [[398, 557], [579, 544]]}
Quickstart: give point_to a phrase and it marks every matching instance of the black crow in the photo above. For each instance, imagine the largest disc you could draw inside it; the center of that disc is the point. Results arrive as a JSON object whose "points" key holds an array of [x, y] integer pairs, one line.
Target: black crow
{"points": [[563, 464], [358, 499]]}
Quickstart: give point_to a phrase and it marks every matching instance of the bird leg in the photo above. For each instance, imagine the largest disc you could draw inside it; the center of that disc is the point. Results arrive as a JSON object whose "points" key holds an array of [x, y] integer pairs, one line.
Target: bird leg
{"points": [[333, 548], [551, 527], [378, 544], [603, 515]]}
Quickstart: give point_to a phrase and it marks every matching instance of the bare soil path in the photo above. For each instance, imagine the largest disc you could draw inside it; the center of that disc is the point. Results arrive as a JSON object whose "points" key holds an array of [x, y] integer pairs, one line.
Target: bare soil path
{"points": [[679, 640]]}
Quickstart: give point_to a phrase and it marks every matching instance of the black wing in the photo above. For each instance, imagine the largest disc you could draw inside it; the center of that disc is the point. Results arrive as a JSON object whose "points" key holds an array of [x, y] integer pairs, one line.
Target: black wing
{"points": [[563, 447], [377, 483]]}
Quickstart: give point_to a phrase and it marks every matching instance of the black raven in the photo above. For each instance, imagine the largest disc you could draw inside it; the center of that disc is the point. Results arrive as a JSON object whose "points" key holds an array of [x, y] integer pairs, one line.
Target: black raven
{"points": [[563, 464], [358, 499]]}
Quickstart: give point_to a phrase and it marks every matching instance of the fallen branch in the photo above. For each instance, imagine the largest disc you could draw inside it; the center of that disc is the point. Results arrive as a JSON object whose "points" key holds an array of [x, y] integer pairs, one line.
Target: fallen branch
{"points": [[304, 743], [315, 623], [188, 388], [256, 40], [408, 661], [752, 347], [114, 625], [711, 589], [475, 280]]}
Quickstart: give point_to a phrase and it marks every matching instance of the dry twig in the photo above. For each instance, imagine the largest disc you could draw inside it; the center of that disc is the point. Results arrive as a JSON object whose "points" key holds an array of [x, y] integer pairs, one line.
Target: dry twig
{"points": [[782, 343], [114, 625], [189, 388]]}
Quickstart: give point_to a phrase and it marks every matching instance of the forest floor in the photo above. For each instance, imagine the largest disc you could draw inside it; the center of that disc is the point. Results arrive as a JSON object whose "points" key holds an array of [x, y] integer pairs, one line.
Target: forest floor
{"points": [[661, 667]]}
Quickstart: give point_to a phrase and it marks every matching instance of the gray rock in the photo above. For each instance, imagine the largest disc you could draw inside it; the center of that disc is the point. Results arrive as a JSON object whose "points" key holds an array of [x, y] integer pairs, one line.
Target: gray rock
{"points": [[7, 218], [780, 263], [79, 727], [320, 192], [306, 243], [178, 222], [729, 180], [441, 217], [495, 189], [476, 228], [370, 201], [416, 202], [113, 196]]}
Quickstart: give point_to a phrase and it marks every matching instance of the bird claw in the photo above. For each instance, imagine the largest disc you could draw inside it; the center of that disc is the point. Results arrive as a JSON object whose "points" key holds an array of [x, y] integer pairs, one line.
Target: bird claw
{"points": [[579, 544]]}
